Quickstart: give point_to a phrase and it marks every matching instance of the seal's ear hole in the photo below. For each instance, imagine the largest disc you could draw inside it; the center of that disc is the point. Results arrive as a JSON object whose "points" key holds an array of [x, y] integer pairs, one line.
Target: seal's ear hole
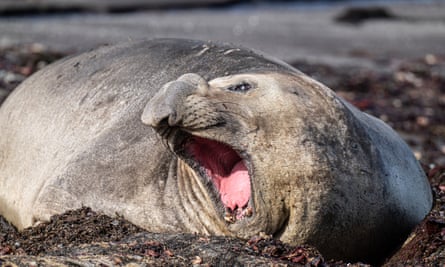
{"points": [[240, 87]]}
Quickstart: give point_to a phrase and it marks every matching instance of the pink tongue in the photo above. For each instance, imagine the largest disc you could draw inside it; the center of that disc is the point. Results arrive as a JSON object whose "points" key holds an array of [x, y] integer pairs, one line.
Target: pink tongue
{"points": [[235, 189], [233, 183]]}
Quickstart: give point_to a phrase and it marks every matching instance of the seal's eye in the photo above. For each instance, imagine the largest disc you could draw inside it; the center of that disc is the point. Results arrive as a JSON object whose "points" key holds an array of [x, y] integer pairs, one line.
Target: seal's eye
{"points": [[241, 87]]}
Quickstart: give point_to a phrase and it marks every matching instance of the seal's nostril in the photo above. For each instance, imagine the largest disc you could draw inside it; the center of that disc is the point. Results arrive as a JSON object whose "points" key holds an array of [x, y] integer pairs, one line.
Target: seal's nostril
{"points": [[163, 122], [174, 119]]}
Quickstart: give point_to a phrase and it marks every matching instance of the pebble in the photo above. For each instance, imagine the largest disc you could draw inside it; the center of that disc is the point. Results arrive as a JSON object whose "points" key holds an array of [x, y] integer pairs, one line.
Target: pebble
{"points": [[430, 59], [197, 260], [11, 77]]}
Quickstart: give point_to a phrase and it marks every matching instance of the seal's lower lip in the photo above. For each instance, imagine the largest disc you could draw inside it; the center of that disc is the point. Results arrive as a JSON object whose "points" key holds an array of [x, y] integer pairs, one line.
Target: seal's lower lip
{"points": [[227, 171]]}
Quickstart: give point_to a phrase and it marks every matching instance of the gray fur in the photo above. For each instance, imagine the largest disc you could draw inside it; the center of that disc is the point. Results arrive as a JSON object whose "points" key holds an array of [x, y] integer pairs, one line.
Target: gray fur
{"points": [[324, 173]]}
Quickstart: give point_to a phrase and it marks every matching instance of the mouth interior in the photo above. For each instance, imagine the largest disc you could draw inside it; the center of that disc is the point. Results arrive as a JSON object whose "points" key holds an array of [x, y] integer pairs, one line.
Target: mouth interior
{"points": [[226, 169]]}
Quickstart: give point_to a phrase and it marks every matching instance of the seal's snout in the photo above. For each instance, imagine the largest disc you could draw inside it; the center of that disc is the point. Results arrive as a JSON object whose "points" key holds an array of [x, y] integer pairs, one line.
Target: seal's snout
{"points": [[165, 108]]}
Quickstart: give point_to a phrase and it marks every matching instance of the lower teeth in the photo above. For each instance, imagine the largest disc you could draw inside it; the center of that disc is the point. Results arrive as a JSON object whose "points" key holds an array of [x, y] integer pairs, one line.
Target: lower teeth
{"points": [[231, 216]]}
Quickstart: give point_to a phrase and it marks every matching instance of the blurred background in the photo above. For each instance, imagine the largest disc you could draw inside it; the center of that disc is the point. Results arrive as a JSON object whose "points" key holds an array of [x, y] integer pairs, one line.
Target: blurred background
{"points": [[385, 57], [337, 31]]}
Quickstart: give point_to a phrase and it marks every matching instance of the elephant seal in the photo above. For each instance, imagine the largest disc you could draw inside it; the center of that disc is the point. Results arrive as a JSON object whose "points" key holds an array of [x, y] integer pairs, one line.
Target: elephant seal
{"points": [[203, 137]]}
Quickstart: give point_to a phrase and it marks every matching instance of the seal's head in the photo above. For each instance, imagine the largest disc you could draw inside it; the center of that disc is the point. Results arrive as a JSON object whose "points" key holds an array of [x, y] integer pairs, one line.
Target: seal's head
{"points": [[249, 137], [279, 153], [227, 130]]}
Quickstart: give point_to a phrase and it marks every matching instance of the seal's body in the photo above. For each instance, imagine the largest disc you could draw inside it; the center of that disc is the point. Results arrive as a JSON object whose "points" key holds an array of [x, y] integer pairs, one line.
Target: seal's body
{"points": [[190, 136]]}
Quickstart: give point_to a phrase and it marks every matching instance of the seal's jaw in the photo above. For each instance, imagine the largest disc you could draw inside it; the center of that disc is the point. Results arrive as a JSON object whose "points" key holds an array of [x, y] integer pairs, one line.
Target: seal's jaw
{"points": [[226, 170]]}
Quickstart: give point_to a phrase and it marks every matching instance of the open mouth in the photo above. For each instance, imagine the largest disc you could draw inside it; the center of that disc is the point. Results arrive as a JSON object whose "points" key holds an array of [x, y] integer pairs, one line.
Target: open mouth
{"points": [[227, 171]]}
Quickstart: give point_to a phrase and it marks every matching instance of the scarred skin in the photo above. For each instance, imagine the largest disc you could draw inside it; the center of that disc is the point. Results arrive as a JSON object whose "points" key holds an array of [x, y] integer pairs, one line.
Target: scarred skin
{"points": [[118, 128]]}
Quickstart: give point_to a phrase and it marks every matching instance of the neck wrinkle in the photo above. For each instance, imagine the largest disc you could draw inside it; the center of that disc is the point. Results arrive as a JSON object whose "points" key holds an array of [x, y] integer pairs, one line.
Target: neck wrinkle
{"points": [[197, 204]]}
